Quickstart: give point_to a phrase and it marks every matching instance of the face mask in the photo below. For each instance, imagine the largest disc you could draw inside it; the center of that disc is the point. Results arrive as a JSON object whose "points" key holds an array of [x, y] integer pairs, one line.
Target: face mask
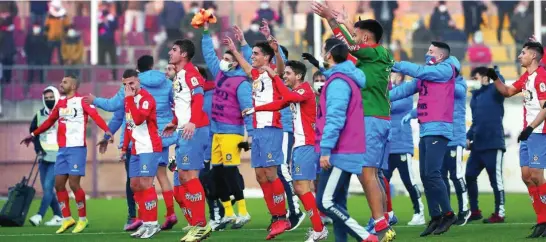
{"points": [[430, 60], [71, 33], [393, 47], [478, 37], [50, 104], [442, 8], [522, 9], [36, 30], [195, 10], [225, 65], [254, 28], [264, 5], [318, 85]]}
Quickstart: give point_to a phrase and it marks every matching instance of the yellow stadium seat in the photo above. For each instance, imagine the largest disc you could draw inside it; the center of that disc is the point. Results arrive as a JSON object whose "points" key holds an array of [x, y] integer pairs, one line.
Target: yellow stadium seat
{"points": [[405, 22], [500, 53], [426, 19], [465, 70], [509, 71], [459, 20]]}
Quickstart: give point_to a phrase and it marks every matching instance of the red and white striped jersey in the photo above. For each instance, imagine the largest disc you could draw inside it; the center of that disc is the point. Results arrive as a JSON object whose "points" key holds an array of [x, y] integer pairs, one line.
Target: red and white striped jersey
{"points": [[264, 92], [71, 114], [533, 87], [141, 124], [188, 97], [304, 110]]}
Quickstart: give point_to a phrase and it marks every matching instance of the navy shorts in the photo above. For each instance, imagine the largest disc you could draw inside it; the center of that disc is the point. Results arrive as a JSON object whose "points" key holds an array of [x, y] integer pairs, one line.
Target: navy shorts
{"points": [[71, 161], [267, 147], [304, 163]]}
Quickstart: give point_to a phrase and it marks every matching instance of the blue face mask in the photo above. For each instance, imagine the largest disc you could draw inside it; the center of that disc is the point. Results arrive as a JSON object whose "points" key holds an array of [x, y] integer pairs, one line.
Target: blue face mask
{"points": [[430, 60]]}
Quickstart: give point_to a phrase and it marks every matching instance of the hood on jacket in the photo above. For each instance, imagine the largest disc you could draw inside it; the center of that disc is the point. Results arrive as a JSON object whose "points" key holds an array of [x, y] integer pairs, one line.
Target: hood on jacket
{"points": [[348, 68], [237, 72], [56, 94], [455, 62], [152, 78]]}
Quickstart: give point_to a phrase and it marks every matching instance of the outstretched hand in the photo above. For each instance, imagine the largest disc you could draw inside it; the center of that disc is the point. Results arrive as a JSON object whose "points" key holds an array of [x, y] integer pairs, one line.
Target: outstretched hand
{"points": [[311, 59], [228, 42], [239, 35], [264, 29], [27, 140], [168, 130], [322, 10]]}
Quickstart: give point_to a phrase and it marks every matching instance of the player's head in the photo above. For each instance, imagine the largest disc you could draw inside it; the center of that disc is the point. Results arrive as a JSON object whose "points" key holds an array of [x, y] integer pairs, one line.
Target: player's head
{"points": [[145, 63], [367, 31], [397, 78], [335, 51], [228, 62], [130, 78], [69, 85], [262, 54], [170, 72], [437, 52], [531, 52], [294, 73], [318, 80], [480, 74], [182, 51]]}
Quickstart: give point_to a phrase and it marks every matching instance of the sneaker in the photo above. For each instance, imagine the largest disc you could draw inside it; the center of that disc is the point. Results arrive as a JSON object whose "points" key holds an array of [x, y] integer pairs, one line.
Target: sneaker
{"points": [[370, 227], [326, 220], [417, 219], [393, 220], [445, 224], [273, 220], [140, 231], [538, 230], [313, 236], [296, 220], [55, 221], [371, 238], [228, 220], [278, 227], [432, 225], [383, 231], [193, 230], [241, 221], [151, 230], [200, 233], [187, 228], [169, 223], [80, 226], [462, 218], [495, 218], [67, 223], [133, 224], [475, 215], [35, 220]]}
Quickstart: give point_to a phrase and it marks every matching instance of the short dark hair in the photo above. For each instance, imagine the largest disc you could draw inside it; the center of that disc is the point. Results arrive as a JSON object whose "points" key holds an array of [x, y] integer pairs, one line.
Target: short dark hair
{"points": [[317, 73], [130, 73], [47, 90], [537, 47], [145, 63], [298, 67], [284, 51], [442, 45], [338, 49], [266, 49], [187, 46], [482, 70], [373, 26], [194, 4]]}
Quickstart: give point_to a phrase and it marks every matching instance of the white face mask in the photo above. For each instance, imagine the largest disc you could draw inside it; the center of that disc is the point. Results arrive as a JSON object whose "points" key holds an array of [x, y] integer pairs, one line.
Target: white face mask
{"points": [[195, 10], [522, 9], [442, 8], [36, 30], [254, 28], [318, 85], [225, 65], [264, 5], [71, 33], [393, 47]]}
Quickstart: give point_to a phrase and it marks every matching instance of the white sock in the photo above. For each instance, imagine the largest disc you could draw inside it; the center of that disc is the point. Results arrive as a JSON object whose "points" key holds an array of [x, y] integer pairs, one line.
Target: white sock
{"points": [[83, 218], [150, 223], [391, 214]]}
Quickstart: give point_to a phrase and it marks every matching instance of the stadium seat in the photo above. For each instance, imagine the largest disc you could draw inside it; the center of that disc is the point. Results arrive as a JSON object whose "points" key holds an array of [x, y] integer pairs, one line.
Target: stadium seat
{"points": [[500, 53], [86, 88], [13, 92], [86, 37], [54, 75], [82, 23], [151, 23], [122, 57], [102, 74], [19, 37], [36, 91], [108, 90], [135, 39], [140, 52]]}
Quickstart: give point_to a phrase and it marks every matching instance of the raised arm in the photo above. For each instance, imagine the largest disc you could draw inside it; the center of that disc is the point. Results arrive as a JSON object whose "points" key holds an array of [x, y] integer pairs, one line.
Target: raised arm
{"points": [[441, 72], [111, 104], [140, 115], [506, 90], [208, 52], [407, 89], [242, 62]]}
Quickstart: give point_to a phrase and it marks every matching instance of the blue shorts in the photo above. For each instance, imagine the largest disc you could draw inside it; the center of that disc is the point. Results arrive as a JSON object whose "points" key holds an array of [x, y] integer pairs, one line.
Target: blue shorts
{"points": [[377, 137], [532, 153], [71, 161], [266, 147], [208, 148], [304, 163], [144, 164], [164, 157], [190, 154]]}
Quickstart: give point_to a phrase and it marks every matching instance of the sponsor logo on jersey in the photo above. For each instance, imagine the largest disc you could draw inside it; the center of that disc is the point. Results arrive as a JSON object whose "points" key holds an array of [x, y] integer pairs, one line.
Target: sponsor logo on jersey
{"points": [[194, 197], [278, 198], [194, 81], [542, 87], [228, 157], [150, 205]]}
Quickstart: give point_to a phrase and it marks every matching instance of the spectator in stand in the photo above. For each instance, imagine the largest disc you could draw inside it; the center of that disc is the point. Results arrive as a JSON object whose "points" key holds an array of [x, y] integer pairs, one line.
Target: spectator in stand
{"points": [[267, 13], [280, 21], [439, 20], [521, 27], [170, 17], [8, 11], [398, 53], [72, 51], [421, 37], [504, 8], [187, 30], [310, 31], [56, 25], [196, 35], [38, 12], [134, 12], [472, 16], [253, 34], [457, 40], [35, 44], [478, 53], [107, 42], [384, 13]]}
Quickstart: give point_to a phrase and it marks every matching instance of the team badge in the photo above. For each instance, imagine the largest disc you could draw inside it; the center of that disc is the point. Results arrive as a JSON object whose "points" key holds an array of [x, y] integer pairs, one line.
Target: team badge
{"points": [[185, 159], [543, 199], [542, 87], [300, 91], [75, 166], [269, 155], [228, 157], [298, 169], [144, 167], [145, 105], [403, 158], [194, 81], [453, 153], [535, 158]]}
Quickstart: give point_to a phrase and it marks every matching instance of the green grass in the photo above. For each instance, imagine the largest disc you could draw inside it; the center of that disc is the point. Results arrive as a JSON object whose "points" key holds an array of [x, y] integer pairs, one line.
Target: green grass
{"points": [[108, 216]]}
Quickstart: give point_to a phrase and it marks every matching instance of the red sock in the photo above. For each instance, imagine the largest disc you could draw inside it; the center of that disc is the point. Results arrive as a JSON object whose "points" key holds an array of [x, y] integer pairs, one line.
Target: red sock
{"points": [[542, 194], [62, 196], [168, 198], [138, 196], [310, 206], [149, 204], [80, 202], [533, 193], [195, 195], [267, 189], [180, 197], [279, 203], [388, 193]]}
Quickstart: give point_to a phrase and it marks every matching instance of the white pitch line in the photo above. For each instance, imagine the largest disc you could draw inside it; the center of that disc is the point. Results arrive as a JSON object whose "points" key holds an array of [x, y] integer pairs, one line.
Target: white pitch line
{"points": [[110, 233]]}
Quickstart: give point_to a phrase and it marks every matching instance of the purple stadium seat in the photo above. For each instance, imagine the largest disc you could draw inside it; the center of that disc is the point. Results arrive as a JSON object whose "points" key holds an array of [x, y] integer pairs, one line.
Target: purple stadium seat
{"points": [[135, 39], [13, 92], [102, 74], [140, 52], [36, 91], [86, 36], [108, 90], [19, 37], [224, 23], [86, 88], [122, 57], [21, 75], [54, 75], [82, 23], [151, 23]]}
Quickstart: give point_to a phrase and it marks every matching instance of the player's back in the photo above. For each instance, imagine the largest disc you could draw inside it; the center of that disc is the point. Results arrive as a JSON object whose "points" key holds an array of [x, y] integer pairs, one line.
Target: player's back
{"points": [[375, 96]]}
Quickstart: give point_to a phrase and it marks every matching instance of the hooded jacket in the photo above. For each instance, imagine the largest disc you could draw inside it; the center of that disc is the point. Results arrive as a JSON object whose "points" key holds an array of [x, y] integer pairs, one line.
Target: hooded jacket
{"points": [[49, 155], [402, 138]]}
